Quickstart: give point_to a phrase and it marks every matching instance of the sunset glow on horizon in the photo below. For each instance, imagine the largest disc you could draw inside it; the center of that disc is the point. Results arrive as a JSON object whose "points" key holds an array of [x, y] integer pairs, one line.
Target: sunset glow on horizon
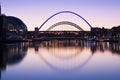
{"points": [[99, 13]]}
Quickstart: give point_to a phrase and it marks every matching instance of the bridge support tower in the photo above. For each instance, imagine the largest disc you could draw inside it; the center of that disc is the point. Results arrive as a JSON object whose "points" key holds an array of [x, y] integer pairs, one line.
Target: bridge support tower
{"points": [[36, 33]]}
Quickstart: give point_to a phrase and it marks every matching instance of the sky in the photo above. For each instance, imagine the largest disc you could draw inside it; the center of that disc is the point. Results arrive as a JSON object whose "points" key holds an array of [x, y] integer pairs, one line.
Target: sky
{"points": [[99, 13]]}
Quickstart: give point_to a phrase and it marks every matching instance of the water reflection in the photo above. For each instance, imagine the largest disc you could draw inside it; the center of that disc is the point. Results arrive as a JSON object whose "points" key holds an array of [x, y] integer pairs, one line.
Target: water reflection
{"points": [[66, 52], [94, 46], [114, 48], [11, 54], [58, 55]]}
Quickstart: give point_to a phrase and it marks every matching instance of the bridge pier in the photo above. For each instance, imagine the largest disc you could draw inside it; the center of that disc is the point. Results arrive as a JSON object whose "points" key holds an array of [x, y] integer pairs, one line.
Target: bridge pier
{"points": [[36, 32]]}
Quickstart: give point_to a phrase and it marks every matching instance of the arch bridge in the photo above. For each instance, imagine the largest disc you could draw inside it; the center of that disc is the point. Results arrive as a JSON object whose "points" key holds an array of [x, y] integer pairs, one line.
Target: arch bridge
{"points": [[66, 22], [61, 34]]}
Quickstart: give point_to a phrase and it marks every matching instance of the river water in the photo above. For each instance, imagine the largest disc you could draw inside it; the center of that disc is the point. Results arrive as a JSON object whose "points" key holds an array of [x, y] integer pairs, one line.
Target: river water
{"points": [[60, 60]]}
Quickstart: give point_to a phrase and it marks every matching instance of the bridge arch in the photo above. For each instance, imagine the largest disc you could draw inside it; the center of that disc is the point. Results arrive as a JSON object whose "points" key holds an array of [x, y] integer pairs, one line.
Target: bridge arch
{"points": [[66, 23], [65, 12]]}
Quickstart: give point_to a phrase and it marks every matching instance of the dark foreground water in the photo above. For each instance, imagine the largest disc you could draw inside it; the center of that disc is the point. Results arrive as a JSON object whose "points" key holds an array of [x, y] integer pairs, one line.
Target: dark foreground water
{"points": [[60, 60]]}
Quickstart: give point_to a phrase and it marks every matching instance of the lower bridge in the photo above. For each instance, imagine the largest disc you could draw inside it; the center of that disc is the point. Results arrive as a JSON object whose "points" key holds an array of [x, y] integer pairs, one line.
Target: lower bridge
{"points": [[64, 35], [60, 35]]}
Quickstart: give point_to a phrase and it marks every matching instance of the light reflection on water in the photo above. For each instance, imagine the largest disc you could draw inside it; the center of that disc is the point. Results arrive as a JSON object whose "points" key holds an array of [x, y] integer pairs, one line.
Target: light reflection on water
{"points": [[60, 60]]}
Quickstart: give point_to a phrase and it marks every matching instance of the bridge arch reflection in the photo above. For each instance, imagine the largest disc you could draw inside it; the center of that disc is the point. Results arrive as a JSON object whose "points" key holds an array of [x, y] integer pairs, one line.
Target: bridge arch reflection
{"points": [[62, 59]]}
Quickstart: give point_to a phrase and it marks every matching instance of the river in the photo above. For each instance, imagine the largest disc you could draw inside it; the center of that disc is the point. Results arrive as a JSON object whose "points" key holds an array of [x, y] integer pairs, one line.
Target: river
{"points": [[60, 60]]}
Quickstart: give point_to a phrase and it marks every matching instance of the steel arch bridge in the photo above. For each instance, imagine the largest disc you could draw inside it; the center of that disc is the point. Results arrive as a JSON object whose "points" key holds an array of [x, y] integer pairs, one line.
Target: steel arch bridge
{"points": [[65, 12], [66, 23]]}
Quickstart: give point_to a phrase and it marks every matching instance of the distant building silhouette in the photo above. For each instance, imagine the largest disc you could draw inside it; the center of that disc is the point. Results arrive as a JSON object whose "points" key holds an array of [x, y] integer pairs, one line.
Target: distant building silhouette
{"points": [[11, 28]]}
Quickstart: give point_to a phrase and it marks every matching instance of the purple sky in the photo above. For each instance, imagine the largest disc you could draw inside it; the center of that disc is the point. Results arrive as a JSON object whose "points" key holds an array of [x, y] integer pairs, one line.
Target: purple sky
{"points": [[100, 13]]}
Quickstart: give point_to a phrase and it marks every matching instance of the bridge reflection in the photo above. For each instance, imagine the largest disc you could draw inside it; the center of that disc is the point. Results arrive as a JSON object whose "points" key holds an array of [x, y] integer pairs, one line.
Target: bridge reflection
{"points": [[14, 53], [56, 53], [62, 51], [65, 57], [94, 46]]}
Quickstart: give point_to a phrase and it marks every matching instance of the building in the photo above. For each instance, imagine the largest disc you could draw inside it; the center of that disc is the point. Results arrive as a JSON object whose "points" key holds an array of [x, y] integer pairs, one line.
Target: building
{"points": [[15, 28], [11, 28]]}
